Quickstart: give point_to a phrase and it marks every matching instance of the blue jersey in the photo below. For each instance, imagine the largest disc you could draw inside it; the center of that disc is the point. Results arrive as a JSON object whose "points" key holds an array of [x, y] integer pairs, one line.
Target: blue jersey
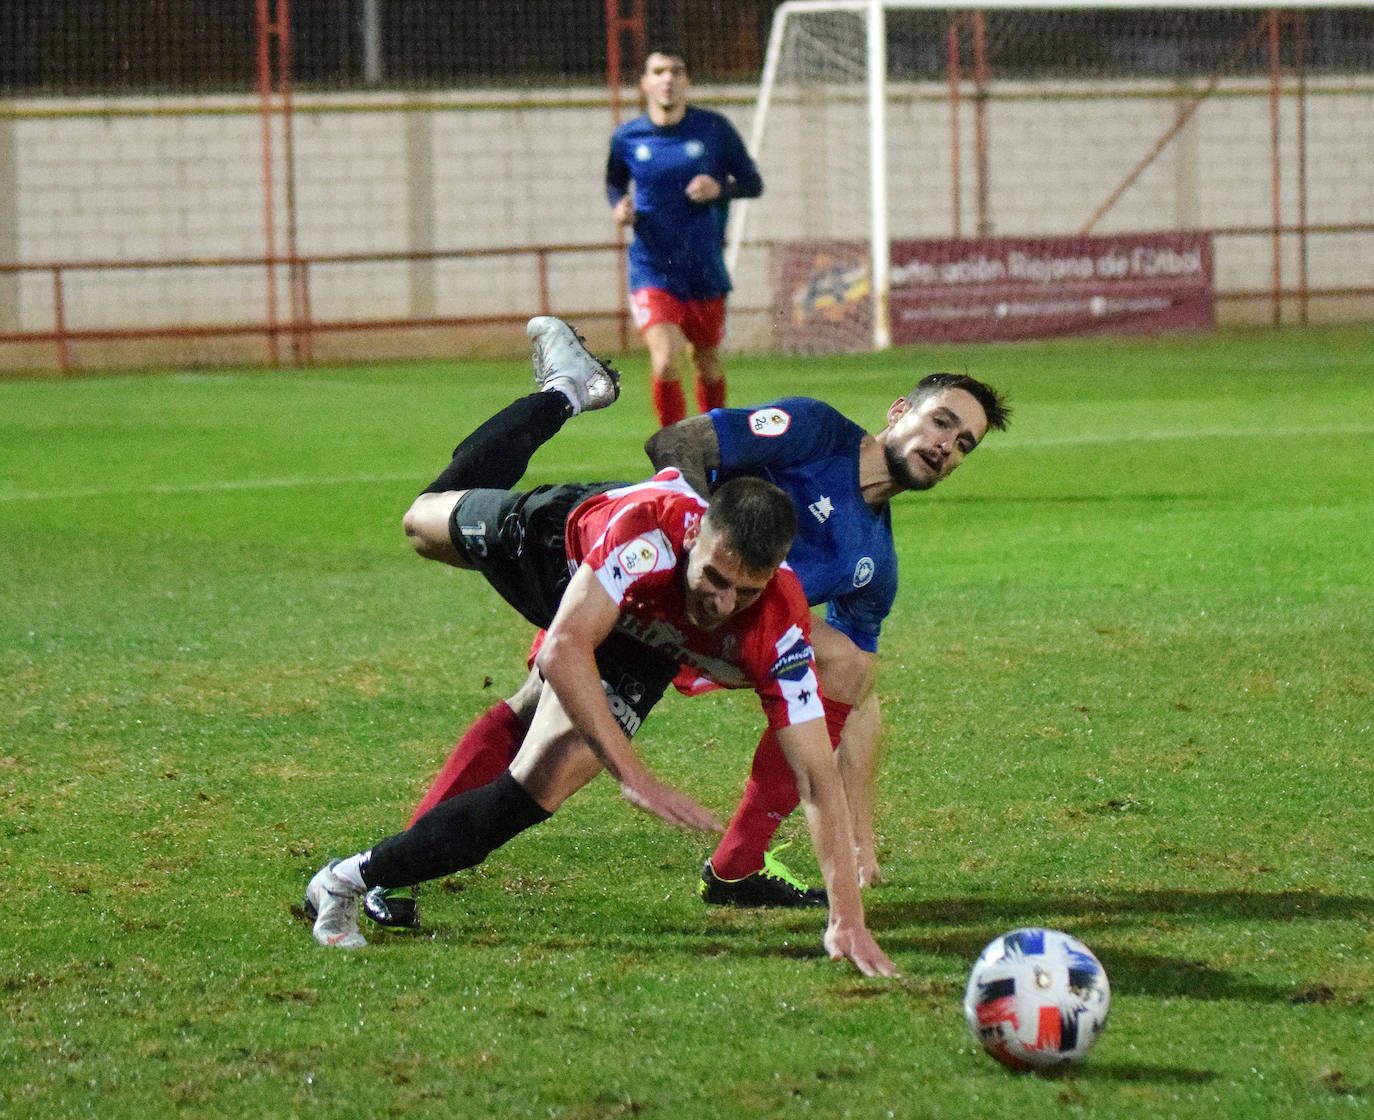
{"points": [[678, 244], [843, 551]]}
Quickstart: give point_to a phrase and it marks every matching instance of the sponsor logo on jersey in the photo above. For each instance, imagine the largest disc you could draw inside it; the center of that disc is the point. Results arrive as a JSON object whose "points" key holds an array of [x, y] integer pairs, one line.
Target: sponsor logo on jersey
{"points": [[863, 571], [624, 713], [769, 422], [794, 656], [668, 639], [655, 632], [821, 509], [638, 557]]}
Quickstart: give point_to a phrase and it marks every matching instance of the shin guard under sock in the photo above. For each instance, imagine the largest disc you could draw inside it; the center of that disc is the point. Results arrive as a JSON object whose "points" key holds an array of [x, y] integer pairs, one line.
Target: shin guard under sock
{"points": [[480, 756], [455, 834], [497, 454], [770, 795]]}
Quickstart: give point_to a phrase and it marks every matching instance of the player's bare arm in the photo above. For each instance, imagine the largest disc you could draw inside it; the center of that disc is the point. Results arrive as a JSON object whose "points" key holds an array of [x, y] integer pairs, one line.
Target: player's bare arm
{"points": [[807, 748], [586, 615], [848, 674], [624, 211], [691, 446], [859, 756]]}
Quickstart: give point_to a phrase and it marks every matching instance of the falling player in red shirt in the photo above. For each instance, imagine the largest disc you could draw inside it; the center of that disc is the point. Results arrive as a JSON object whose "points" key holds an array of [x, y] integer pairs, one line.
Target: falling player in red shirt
{"points": [[632, 582]]}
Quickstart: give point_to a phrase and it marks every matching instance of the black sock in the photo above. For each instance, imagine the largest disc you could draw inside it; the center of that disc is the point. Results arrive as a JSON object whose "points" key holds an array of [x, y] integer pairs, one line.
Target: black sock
{"points": [[455, 834], [496, 455]]}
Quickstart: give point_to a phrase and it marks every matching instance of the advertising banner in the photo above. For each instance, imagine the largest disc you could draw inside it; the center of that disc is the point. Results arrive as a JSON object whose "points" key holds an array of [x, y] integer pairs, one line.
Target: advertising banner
{"points": [[821, 295], [989, 289]]}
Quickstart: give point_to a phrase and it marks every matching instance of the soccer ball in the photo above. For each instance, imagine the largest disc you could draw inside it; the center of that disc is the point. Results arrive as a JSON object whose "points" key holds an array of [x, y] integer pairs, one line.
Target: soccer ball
{"points": [[1037, 998]]}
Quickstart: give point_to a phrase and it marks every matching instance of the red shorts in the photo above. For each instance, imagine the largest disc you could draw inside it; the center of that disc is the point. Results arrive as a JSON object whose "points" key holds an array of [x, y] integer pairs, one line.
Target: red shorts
{"points": [[701, 320]]}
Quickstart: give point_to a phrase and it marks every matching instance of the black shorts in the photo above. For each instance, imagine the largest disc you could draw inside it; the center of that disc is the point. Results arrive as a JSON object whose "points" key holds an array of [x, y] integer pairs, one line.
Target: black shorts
{"points": [[515, 539]]}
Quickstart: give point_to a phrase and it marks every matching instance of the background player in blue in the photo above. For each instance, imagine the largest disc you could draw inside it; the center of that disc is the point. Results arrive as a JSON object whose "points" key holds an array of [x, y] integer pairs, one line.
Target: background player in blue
{"points": [[840, 480], [670, 176]]}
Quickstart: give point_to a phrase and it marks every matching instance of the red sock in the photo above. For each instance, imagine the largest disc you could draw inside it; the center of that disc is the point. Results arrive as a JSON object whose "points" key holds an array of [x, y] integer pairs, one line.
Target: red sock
{"points": [[480, 756], [710, 394], [669, 402], [769, 796]]}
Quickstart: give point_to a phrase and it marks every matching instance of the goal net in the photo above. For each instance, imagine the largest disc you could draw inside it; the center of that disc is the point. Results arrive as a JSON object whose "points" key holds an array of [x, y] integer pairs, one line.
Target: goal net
{"points": [[994, 171]]}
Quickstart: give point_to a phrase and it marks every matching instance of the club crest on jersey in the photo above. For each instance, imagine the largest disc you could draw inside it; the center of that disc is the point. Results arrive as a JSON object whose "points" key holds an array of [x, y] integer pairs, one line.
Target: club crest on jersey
{"points": [[863, 571], [643, 153], [638, 557], [769, 422], [695, 149]]}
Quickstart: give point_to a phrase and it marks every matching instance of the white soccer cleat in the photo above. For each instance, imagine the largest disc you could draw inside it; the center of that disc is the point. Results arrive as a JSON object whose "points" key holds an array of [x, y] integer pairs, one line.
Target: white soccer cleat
{"points": [[562, 362], [335, 903]]}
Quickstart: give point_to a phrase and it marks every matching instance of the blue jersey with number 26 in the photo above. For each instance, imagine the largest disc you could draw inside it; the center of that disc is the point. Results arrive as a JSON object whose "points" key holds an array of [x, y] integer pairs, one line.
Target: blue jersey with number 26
{"points": [[843, 552]]}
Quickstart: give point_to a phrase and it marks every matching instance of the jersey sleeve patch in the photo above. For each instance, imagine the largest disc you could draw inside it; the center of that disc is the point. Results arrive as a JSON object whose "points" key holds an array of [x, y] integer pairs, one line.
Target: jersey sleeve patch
{"points": [[639, 556], [795, 659], [769, 421], [646, 553]]}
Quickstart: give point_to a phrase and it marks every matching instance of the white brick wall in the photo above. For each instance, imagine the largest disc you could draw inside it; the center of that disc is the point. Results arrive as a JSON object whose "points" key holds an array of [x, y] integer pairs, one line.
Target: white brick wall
{"points": [[179, 179]]}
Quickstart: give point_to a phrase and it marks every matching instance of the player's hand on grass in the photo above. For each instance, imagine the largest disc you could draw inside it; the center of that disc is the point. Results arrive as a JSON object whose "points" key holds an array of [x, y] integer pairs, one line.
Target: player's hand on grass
{"points": [[648, 793], [858, 947]]}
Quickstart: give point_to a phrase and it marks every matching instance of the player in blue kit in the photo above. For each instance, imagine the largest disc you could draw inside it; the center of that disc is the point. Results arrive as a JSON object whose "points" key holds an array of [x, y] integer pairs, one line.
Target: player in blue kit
{"points": [[840, 479], [670, 176]]}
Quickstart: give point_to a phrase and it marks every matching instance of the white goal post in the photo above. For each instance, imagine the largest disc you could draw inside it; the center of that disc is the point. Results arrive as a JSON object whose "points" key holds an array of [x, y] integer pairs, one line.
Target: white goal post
{"points": [[879, 121]]}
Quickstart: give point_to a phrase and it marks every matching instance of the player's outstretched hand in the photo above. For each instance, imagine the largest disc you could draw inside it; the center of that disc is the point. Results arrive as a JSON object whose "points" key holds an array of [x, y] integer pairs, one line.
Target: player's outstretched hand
{"points": [[676, 808], [858, 947]]}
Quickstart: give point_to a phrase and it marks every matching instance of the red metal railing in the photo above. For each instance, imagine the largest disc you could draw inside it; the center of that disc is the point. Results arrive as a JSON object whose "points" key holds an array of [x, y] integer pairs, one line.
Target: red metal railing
{"points": [[300, 328]]}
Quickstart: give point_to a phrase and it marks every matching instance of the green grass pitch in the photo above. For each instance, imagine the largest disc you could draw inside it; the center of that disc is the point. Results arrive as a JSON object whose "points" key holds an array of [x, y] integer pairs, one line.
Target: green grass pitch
{"points": [[1129, 692]]}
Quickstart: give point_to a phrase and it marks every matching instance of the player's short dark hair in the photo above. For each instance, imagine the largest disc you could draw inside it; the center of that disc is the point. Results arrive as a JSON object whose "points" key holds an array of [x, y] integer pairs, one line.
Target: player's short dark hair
{"points": [[756, 519], [998, 411], [668, 50]]}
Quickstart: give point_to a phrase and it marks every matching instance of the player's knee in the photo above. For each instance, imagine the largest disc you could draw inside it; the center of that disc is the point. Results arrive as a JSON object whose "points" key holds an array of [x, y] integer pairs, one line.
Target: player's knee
{"points": [[526, 699], [419, 526], [708, 366], [664, 369], [413, 525]]}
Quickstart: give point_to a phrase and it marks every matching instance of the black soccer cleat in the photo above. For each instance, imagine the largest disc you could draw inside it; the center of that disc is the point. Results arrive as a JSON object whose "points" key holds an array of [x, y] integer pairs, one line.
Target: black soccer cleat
{"points": [[393, 911], [773, 886]]}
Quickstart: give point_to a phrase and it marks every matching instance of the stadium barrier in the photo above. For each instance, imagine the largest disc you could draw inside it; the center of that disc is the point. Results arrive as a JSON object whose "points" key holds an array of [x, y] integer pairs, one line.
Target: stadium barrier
{"points": [[191, 230]]}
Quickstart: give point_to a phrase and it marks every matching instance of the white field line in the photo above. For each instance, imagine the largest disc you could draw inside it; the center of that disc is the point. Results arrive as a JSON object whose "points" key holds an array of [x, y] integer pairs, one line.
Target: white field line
{"points": [[996, 443], [1013, 444], [227, 485]]}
